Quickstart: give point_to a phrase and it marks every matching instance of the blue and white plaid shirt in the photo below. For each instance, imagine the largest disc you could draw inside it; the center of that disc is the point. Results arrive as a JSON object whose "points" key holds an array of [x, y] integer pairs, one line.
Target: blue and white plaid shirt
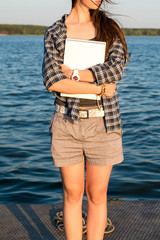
{"points": [[111, 71]]}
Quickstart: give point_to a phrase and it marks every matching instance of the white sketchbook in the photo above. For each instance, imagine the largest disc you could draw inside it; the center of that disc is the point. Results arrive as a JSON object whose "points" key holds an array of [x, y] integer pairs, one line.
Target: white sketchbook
{"points": [[82, 54]]}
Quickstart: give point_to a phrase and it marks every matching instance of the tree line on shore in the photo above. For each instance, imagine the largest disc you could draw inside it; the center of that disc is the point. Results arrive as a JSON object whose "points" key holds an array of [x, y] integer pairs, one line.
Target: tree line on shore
{"points": [[13, 29]]}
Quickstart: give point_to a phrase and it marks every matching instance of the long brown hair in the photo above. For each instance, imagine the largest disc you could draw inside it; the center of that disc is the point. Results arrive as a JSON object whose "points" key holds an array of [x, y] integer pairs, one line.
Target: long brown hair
{"points": [[107, 28]]}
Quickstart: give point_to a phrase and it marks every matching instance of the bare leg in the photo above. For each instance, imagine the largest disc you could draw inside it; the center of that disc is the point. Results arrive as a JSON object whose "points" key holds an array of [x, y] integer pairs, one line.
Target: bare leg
{"points": [[73, 189], [97, 179]]}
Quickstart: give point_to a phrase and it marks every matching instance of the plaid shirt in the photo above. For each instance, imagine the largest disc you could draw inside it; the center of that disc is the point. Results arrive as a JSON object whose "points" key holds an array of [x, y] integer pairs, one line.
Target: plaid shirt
{"points": [[110, 71]]}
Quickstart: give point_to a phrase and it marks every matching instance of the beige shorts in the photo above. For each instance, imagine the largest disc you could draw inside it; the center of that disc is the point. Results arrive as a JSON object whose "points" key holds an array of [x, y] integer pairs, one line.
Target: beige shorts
{"points": [[73, 142]]}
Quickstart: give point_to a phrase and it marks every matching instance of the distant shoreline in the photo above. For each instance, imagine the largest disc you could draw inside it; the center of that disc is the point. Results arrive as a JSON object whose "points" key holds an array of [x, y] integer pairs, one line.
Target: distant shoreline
{"points": [[15, 29]]}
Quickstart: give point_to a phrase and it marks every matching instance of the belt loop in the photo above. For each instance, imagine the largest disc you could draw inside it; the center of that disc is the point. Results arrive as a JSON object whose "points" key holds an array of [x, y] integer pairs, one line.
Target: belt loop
{"points": [[87, 114]]}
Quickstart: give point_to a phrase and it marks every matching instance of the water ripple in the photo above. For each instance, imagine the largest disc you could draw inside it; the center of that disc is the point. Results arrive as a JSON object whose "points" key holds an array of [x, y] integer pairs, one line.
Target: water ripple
{"points": [[27, 173]]}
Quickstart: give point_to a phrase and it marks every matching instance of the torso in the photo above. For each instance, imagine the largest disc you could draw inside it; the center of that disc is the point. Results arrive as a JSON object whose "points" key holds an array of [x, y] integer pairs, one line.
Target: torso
{"points": [[87, 31]]}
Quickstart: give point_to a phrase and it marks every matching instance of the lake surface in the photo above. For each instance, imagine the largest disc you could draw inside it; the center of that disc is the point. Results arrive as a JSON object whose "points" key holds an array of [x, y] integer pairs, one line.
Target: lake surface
{"points": [[27, 173]]}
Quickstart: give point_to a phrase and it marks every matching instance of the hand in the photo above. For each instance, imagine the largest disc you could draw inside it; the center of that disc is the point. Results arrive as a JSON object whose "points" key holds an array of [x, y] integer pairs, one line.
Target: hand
{"points": [[67, 71], [110, 89]]}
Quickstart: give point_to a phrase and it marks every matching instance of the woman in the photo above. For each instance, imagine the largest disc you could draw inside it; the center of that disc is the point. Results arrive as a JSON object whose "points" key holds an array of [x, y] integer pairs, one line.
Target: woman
{"points": [[76, 138]]}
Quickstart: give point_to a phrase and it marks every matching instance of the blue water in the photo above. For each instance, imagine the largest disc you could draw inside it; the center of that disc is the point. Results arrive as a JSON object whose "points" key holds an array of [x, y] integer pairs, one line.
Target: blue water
{"points": [[26, 169]]}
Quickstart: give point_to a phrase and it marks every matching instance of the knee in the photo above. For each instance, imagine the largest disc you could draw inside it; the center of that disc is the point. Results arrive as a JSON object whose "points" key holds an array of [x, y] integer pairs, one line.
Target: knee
{"points": [[72, 195], [96, 196]]}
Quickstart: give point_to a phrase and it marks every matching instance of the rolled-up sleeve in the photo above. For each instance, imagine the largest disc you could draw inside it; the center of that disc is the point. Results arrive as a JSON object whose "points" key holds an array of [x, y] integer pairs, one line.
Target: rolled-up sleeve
{"points": [[111, 71], [51, 67]]}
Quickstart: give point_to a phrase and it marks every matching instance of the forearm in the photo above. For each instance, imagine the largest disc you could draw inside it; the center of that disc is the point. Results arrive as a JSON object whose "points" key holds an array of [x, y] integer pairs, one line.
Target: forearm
{"points": [[111, 71], [86, 76], [74, 87]]}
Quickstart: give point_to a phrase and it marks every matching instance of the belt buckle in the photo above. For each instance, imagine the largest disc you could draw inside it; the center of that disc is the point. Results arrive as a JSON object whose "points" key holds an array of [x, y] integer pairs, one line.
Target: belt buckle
{"points": [[87, 114]]}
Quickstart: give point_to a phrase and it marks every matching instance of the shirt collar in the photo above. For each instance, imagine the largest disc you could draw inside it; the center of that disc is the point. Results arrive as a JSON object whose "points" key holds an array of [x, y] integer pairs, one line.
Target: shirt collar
{"points": [[64, 26]]}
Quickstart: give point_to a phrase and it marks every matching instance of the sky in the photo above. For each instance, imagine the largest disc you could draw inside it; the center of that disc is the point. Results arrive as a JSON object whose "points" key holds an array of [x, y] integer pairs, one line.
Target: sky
{"points": [[136, 13]]}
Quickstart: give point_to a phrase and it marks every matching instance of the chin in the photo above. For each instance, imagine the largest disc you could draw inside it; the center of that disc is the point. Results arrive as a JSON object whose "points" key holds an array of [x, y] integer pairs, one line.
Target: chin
{"points": [[95, 5], [94, 8]]}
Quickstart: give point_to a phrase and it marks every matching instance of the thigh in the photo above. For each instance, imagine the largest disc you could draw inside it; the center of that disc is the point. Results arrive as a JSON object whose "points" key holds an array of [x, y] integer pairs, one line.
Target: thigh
{"points": [[97, 178], [66, 146], [73, 177], [101, 148]]}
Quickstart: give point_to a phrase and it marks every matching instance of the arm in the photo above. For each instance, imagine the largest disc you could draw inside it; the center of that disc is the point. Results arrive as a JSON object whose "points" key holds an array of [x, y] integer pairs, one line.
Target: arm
{"points": [[71, 86], [51, 68], [111, 71]]}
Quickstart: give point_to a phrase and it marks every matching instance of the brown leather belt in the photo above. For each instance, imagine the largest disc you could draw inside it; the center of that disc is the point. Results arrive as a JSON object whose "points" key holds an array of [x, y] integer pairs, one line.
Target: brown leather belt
{"points": [[83, 103]]}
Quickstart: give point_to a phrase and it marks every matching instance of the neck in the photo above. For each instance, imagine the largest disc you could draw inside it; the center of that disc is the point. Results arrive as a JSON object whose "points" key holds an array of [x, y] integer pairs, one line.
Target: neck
{"points": [[79, 14]]}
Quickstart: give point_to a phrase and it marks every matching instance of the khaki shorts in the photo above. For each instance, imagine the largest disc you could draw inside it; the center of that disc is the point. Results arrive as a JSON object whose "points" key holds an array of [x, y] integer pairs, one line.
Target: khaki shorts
{"points": [[73, 142]]}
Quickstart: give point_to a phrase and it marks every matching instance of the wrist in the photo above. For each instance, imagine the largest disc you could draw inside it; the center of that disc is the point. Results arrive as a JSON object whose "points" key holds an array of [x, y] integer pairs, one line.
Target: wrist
{"points": [[102, 90], [70, 74], [75, 76]]}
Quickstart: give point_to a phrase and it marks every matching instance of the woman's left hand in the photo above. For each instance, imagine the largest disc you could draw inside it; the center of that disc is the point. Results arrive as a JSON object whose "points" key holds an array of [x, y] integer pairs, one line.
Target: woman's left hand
{"points": [[67, 71], [110, 89]]}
